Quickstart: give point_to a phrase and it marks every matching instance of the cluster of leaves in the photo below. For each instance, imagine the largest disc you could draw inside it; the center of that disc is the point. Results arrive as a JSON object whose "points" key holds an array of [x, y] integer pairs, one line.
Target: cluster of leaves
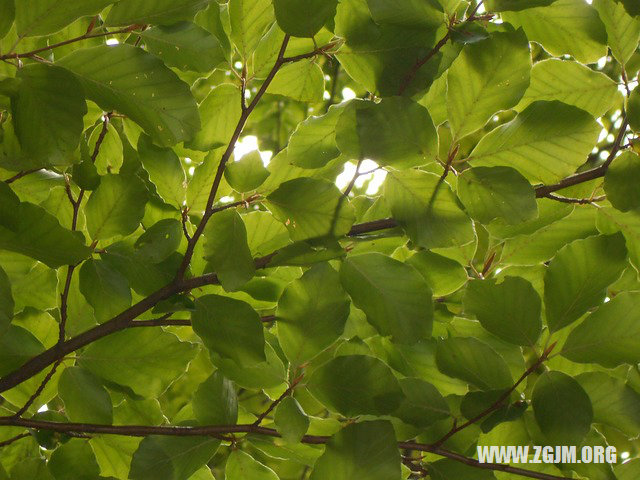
{"points": [[171, 311]]}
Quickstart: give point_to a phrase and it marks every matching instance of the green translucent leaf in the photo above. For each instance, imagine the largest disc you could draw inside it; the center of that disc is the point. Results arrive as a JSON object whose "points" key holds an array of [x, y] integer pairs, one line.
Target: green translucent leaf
{"points": [[184, 45], [621, 182], [85, 399], [412, 13], [230, 328], [633, 110], [311, 208], [110, 154], [113, 454], [578, 276], [303, 18], [74, 461], [426, 208], [360, 450], [473, 361], [106, 289], [267, 374], [246, 174], [116, 207], [609, 336], [313, 143], [220, 112], [227, 251], [394, 296], [497, 192], [562, 408], [250, 19], [17, 345], [487, 77], [303, 81], [312, 313], [138, 85], [356, 385], [451, 470], [510, 310], [623, 30], [7, 15], [159, 241], [611, 221], [265, 234], [571, 83], [6, 302], [291, 421], [154, 11], [396, 132], [565, 27], [423, 404], [241, 466], [215, 402], [547, 141], [41, 17], [165, 171], [147, 362], [515, 5], [47, 113], [443, 274]]}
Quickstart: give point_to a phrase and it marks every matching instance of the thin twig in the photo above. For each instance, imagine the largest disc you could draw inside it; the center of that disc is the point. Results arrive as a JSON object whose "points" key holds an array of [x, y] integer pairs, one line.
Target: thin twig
{"points": [[352, 183], [39, 390], [19, 175], [275, 403], [579, 201], [11, 440]]}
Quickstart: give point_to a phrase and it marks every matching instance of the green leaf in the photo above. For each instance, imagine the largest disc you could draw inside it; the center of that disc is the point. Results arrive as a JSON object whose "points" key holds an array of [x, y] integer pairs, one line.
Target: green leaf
{"points": [[17, 345], [571, 83], [623, 30], [313, 144], [497, 192], [473, 361], [184, 45], [628, 470], [356, 385], [159, 241], [443, 275], [621, 182], [110, 154], [423, 404], [42, 17], [249, 19], [578, 276], [231, 328], [547, 141], [487, 77], [633, 110], [360, 450], [303, 18], [241, 466], [6, 302], [396, 132], [74, 461], [7, 15], [116, 207], [611, 221], [311, 208], [413, 13], [632, 7], [515, 5], [565, 27], [426, 208], [227, 250], [510, 310], [113, 454], [138, 85], [148, 360], [609, 336], [220, 112], [394, 296], [154, 11], [47, 113], [303, 81], [215, 402], [267, 374], [312, 313], [165, 171], [446, 469], [106, 289], [246, 174], [291, 421], [562, 408], [85, 399]]}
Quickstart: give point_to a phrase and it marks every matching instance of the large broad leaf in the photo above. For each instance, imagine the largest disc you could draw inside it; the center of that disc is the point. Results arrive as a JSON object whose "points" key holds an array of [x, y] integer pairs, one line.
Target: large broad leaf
{"points": [[215, 402], [623, 31], [487, 77], [361, 450], [397, 132], [7, 15], [571, 83], [473, 361], [116, 207], [165, 171], [84, 397], [47, 113], [138, 85], [510, 310], [356, 385], [303, 18], [423, 404], [159, 241], [74, 460], [148, 360], [311, 208], [291, 421], [230, 328], [241, 465], [250, 19], [227, 251], [41, 17], [570, 27], [154, 11], [106, 289], [609, 336], [312, 313], [611, 221], [443, 275], [303, 81], [17, 345], [395, 297], [267, 374], [578, 276], [246, 174], [562, 408], [6, 302], [426, 208], [621, 182], [547, 141]]}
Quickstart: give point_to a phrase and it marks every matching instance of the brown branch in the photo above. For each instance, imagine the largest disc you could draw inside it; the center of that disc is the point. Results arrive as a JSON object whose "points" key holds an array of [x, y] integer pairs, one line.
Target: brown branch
{"points": [[11, 440], [275, 403], [39, 390], [579, 201], [352, 183], [318, 51], [176, 322], [19, 175]]}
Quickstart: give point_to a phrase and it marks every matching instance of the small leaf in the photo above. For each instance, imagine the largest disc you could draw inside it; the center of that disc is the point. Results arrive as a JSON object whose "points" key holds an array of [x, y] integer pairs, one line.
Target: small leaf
{"points": [[215, 402], [313, 144], [241, 466], [85, 399], [246, 174], [303, 18], [165, 171], [291, 421], [623, 31], [302, 81], [106, 289], [443, 275], [622, 182]]}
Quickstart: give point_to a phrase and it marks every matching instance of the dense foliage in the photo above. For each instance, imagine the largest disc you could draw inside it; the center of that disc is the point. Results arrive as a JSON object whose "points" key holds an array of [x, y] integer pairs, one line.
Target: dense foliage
{"points": [[434, 246]]}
